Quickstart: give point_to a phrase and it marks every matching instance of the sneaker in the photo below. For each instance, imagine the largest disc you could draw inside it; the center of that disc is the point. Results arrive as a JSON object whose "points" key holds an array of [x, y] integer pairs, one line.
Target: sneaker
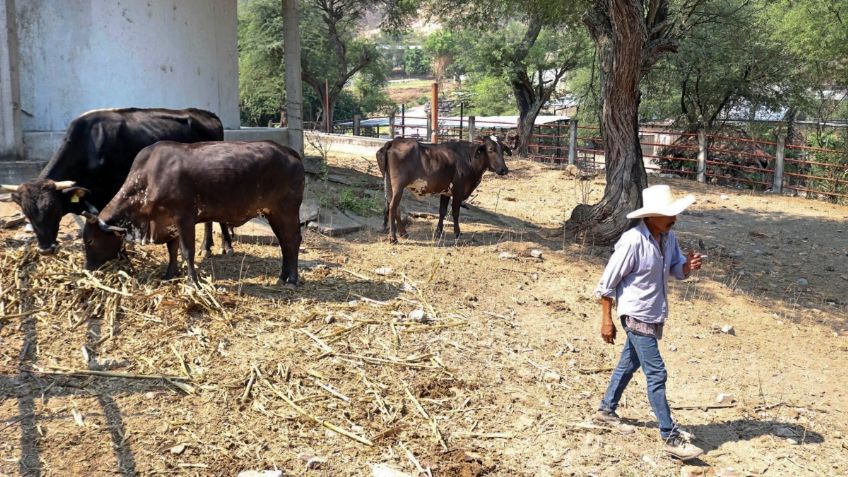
{"points": [[606, 417], [611, 419], [678, 447]]}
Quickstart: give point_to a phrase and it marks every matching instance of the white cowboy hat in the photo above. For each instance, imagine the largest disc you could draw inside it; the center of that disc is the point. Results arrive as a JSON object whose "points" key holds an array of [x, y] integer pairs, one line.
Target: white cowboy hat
{"points": [[658, 201]]}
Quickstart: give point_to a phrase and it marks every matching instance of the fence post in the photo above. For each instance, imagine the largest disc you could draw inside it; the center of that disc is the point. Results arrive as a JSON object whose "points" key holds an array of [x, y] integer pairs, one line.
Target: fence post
{"points": [[572, 142], [461, 112], [403, 120], [356, 119], [391, 124], [434, 114], [702, 155], [327, 121], [779, 156], [471, 128]]}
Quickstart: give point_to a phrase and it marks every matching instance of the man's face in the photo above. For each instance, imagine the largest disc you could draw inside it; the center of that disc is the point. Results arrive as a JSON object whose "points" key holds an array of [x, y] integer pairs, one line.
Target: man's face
{"points": [[660, 224]]}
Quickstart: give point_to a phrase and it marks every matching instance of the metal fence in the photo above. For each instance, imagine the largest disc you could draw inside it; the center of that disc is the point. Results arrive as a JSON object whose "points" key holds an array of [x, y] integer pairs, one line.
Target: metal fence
{"points": [[729, 160]]}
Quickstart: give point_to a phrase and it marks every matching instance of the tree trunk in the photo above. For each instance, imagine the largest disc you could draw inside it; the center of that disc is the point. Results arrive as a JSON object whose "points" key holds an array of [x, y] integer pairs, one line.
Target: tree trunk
{"points": [[526, 122], [618, 29]]}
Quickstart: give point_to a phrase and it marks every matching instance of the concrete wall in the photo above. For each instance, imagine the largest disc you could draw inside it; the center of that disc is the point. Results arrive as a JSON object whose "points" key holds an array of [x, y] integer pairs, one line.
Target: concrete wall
{"points": [[79, 55]]}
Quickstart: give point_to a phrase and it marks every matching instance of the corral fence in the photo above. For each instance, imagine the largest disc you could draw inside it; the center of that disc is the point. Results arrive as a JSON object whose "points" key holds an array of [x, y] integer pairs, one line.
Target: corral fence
{"points": [[729, 159]]}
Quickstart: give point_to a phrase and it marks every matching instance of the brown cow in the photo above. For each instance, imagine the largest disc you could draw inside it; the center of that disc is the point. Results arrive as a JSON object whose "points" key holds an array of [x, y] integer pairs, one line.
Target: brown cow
{"points": [[172, 186], [450, 170]]}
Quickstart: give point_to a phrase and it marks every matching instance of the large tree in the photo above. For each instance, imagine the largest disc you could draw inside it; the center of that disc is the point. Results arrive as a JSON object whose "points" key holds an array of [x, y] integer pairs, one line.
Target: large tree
{"points": [[630, 37], [532, 52]]}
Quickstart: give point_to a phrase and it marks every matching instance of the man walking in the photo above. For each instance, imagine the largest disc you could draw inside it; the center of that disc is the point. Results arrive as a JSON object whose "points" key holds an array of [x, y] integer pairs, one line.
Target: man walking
{"points": [[637, 278]]}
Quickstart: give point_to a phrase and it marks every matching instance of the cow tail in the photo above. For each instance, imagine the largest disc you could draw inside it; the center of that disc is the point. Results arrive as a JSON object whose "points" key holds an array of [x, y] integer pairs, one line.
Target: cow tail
{"points": [[383, 164]]}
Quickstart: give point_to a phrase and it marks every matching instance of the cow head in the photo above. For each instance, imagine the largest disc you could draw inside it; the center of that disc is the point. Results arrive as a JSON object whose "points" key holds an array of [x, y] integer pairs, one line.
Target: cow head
{"points": [[492, 150], [102, 242], [44, 202]]}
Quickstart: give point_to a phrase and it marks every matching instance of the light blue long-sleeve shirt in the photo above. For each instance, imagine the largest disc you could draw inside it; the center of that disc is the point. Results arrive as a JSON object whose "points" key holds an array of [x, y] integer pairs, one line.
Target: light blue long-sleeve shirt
{"points": [[637, 274]]}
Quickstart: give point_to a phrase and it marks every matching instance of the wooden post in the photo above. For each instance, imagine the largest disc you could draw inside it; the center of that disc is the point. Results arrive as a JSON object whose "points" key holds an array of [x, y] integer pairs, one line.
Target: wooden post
{"points": [[434, 114], [403, 120], [392, 124], [572, 141], [702, 155], [471, 128], [294, 85], [461, 112], [327, 124], [779, 156], [356, 119]]}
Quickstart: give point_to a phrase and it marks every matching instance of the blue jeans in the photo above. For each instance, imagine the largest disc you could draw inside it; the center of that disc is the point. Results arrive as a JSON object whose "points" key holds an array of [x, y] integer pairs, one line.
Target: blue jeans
{"points": [[642, 351]]}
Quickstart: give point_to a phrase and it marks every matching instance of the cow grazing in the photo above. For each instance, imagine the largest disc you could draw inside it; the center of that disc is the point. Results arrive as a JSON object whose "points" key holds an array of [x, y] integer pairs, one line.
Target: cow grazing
{"points": [[172, 186], [96, 154], [450, 170]]}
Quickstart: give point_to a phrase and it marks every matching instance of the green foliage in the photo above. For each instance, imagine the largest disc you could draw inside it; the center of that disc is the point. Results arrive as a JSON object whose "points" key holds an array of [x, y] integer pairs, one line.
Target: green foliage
{"points": [[261, 65], [415, 62], [490, 96], [359, 202]]}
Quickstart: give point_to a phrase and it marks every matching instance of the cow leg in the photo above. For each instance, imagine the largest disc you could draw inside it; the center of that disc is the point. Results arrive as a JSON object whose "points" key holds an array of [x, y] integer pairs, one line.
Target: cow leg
{"points": [[173, 244], [186, 228], [208, 241], [443, 210], [287, 230], [394, 215], [227, 246], [387, 192], [456, 203]]}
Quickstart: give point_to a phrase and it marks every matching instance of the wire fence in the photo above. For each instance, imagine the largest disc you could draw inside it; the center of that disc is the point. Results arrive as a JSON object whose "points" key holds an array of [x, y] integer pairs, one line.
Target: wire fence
{"points": [[732, 160]]}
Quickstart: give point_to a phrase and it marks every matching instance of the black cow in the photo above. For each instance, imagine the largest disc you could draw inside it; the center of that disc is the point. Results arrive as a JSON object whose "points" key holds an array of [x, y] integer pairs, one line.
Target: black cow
{"points": [[450, 170], [95, 156], [172, 186]]}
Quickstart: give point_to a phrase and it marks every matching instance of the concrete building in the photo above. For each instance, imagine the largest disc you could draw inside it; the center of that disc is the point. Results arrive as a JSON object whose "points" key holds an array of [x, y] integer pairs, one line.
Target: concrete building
{"points": [[61, 58]]}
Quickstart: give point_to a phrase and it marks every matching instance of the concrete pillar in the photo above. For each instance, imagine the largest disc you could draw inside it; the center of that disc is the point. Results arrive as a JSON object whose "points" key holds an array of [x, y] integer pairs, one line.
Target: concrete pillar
{"points": [[779, 156], [356, 119], [702, 155], [294, 85], [472, 132], [572, 142], [11, 132]]}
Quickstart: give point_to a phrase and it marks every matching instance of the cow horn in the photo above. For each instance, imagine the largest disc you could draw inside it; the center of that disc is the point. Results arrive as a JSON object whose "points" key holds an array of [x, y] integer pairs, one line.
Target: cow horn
{"points": [[62, 185], [111, 229], [10, 188], [89, 217]]}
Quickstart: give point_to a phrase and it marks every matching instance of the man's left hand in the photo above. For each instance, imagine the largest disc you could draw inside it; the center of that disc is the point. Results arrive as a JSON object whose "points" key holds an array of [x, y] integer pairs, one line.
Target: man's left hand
{"points": [[693, 262]]}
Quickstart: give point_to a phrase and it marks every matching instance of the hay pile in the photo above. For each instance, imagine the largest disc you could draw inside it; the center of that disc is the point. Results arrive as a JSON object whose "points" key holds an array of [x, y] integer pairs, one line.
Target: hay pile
{"points": [[323, 368]]}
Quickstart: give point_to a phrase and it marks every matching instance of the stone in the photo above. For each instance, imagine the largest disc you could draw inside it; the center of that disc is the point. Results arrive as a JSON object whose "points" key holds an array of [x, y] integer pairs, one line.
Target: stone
{"points": [[536, 253], [417, 315], [178, 449], [506, 256], [383, 470], [315, 462], [384, 271], [724, 197], [723, 398], [728, 330], [551, 377], [802, 282], [693, 471], [727, 472], [783, 431]]}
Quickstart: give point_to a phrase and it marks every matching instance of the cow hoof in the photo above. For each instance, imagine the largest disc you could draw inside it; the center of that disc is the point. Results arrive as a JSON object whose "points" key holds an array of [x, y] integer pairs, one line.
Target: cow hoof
{"points": [[286, 284], [228, 251]]}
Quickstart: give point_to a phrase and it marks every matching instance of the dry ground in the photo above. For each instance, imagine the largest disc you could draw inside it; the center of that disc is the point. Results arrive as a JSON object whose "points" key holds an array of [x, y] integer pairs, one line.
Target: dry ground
{"points": [[498, 378]]}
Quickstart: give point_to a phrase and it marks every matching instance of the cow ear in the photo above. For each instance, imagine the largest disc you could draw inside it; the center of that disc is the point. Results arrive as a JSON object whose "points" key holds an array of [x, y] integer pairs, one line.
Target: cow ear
{"points": [[76, 193], [480, 150]]}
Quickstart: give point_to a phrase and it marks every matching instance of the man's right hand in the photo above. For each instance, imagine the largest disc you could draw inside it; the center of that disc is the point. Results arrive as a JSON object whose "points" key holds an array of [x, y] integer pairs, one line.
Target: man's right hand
{"points": [[608, 330]]}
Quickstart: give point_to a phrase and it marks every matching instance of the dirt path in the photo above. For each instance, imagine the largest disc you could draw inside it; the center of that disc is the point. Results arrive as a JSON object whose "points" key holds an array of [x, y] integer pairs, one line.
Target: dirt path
{"points": [[506, 362]]}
